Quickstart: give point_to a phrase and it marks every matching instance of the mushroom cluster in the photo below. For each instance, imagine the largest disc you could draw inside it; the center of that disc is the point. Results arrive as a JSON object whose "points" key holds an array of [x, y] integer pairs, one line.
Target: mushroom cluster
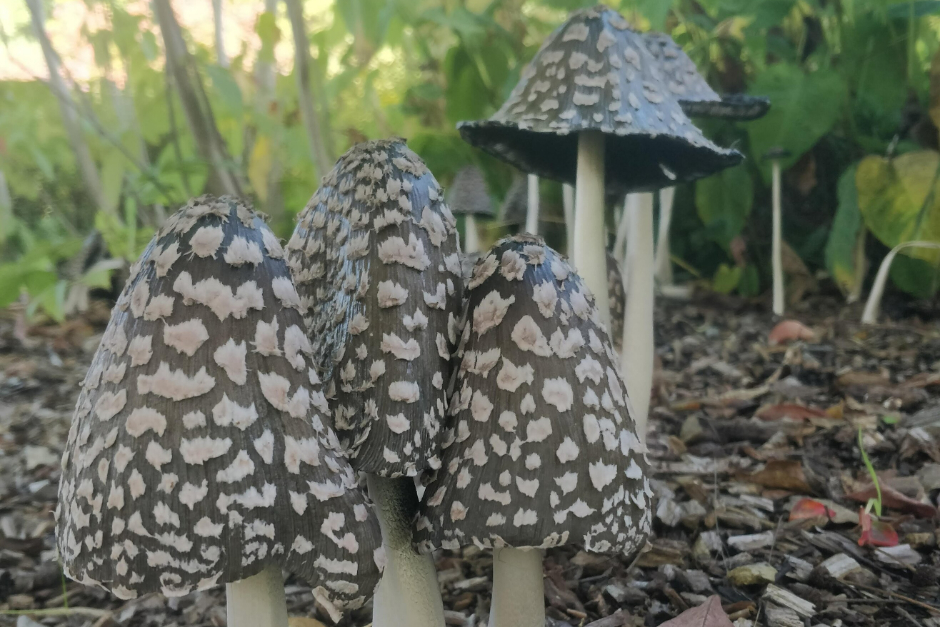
{"points": [[200, 452]]}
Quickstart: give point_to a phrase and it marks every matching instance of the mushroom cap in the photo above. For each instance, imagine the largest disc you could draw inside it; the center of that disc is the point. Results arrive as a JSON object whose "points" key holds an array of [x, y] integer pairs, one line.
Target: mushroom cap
{"points": [[515, 205], [198, 452], [375, 259], [618, 300], [695, 95], [541, 448], [468, 195], [594, 73]]}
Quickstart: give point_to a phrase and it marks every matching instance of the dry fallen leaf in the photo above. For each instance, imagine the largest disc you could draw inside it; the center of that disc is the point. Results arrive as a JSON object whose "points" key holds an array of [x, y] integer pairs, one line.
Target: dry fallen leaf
{"points": [[785, 474], [875, 532], [892, 499], [788, 331], [303, 621], [708, 614], [789, 410]]}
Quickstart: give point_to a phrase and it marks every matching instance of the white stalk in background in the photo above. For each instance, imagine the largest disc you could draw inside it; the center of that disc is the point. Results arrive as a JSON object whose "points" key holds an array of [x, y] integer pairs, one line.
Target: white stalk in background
{"points": [[221, 57], [590, 254], [873, 304], [471, 236], [638, 343], [408, 595], [663, 263], [861, 266], [532, 212], [257, 601], [567, 201], [776, 250], [518, 589], [620, 243]]}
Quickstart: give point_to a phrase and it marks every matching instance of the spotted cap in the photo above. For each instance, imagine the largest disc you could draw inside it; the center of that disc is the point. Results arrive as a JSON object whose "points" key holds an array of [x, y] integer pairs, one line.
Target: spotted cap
{"points": [[375, 259], [198, 452], [594, 73], [618, 300], [468, 193], [542, 448], [697, 98]]}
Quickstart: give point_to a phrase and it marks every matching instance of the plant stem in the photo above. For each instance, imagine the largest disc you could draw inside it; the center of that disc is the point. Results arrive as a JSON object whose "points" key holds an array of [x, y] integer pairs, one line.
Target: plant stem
{"points": [[221, 57], [590, 257], [776, 250], [257, 601], [409, 595], [532, 215], [518, 589], [873, 304], [638, 343], [663, 262], [567, 201]]}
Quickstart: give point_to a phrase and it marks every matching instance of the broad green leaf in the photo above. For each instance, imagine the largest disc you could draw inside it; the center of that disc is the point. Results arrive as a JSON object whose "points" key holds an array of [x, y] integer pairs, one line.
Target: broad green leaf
{"points": [[900, 200], [11, 282], [843, 236], [259, 167], [875, 65], [904, 9], [52, 300], [749, 285], [112, 179], [724, 202], [804, 108], [269, 33], [226, 87], [656, 12], [917, 277], [726, 278]]}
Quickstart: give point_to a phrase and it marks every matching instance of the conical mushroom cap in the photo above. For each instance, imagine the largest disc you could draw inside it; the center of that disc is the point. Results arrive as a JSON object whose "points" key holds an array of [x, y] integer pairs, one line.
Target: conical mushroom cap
{"points": [[515, 204], [617, 299], [695, 95], [594, 73], [374, 257], [542, 448], [468, 195], [199, 453]]}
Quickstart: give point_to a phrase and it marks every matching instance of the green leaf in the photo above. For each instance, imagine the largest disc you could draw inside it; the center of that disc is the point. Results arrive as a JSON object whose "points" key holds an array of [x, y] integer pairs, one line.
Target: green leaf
{"points": [[917, 277], [900, 200], [804, 108], [226, 87], [724, 202], [726, 278], [112, 179], [148, 45], [917, 8], [749, 285], [843, 236], [267, 30], [52, 300], [656, 12]]}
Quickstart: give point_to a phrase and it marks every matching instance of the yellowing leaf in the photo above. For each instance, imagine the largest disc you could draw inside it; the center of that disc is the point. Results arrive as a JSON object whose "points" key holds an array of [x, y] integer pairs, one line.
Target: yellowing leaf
{"points": [[900, 200], [259, 167]]}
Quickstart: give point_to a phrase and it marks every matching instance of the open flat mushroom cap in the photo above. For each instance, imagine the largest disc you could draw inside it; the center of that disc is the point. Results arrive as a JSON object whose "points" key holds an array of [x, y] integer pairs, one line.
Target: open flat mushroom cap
{"points": [[375, 260], [542, 448], [697, 98], [594, 73], [467, 193], [200, 451], [617, 299]]}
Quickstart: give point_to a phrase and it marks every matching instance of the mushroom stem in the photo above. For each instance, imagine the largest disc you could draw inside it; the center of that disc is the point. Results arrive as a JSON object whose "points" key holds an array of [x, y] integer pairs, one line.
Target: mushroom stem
{"points": [[620, 243], [257, 601], [409, 593], [663, 262], [532, 210], [638, 342], [776, 249], [590, 257], [518, 591], [567, 201], [471, 237], [873, 304]]}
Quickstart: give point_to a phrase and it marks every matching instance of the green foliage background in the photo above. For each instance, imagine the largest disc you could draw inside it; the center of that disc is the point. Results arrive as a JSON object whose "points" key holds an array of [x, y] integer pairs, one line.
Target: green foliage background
{"points": [[850, 83]]}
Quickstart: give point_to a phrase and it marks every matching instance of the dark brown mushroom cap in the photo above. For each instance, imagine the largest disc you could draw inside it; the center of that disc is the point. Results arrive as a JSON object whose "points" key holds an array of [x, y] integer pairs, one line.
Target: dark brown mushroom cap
{"points": [[695, 95], [375, 259], [198, 452], [541, 448], [617, 299], [467, 193], [594, 73]]}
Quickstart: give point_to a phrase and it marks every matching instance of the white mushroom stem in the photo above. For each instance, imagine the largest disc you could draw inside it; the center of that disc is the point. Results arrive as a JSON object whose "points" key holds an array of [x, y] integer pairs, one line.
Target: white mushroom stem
{"points": [[663, 262], [590, 257], [532, 210], [638, 343], [861, 266], [471, 237], [518, 590], [257, 601], [777, 242], [409, 595], [873, 304], [567, 201], [620, 243]]}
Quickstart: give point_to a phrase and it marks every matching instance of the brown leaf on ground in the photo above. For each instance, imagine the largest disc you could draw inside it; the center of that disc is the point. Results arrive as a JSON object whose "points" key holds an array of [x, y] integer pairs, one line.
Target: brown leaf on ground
{"points": [[303, 621], [785, 474], [892, 499], [708, 614], [789, 331], [789, 410]]}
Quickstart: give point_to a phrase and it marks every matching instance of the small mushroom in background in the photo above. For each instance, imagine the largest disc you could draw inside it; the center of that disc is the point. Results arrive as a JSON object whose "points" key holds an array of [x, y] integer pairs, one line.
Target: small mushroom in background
{"points": [[514, 208], [199, 454], [468, 197], [542, 449], [532, 205], [775, 155], [375, 259]]}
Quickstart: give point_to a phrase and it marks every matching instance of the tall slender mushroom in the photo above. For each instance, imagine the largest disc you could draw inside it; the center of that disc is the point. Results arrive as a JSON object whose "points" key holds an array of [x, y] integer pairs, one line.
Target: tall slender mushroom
{"points": [[468, 197], [532, 205], [775, 155], [591, 108], [541, 450], [375, 259], [198, 454]]}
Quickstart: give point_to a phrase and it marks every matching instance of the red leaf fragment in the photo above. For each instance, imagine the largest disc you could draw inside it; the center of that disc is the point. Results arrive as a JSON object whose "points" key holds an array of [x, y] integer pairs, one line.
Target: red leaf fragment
{"points": [[808, 508], [788, 331], [708, 614], [892, 499], [875, 532]]}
